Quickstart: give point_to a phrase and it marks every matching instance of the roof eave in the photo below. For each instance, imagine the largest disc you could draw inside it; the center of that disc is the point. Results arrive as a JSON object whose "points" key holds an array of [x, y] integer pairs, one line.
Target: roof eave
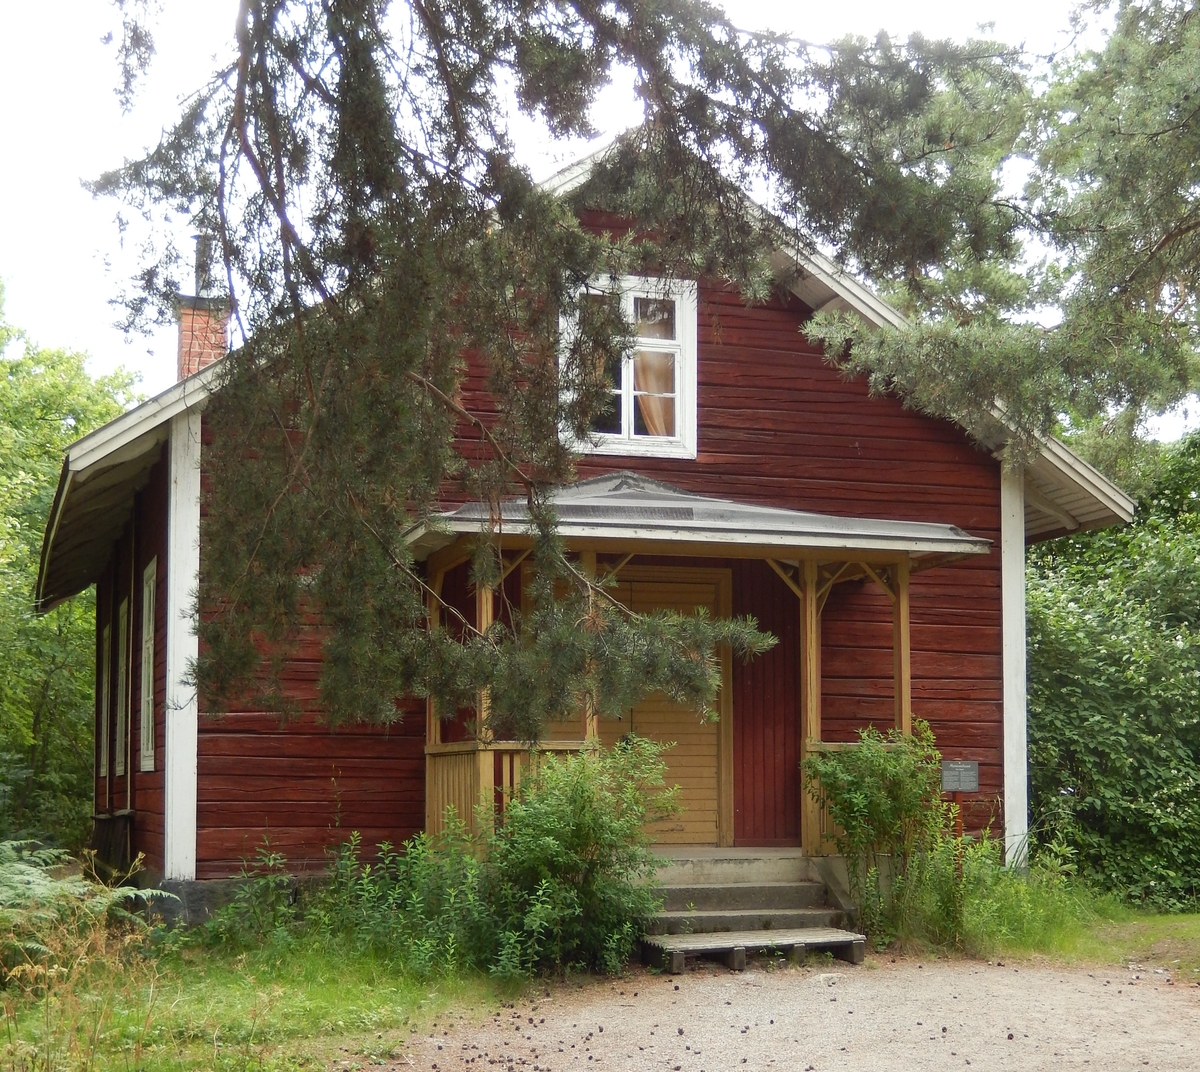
{"points": [[425, 540]]}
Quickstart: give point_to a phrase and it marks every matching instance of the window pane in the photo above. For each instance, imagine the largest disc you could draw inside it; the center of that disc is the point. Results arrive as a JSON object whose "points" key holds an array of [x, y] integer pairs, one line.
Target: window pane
{"points": [[654, 388], [608, 417], [654, 372], [654, 318], [654, 415], [614, 371]]}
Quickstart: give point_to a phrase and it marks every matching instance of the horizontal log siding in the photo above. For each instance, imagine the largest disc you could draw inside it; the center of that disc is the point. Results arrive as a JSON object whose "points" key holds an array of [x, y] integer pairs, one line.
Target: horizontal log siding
{"points": [[781, 427], [298, 783], [302, 786]]}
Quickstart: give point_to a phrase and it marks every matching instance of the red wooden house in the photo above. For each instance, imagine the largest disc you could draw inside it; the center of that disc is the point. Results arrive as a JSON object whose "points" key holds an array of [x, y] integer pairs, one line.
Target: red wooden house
{"points": [[735, 470]]}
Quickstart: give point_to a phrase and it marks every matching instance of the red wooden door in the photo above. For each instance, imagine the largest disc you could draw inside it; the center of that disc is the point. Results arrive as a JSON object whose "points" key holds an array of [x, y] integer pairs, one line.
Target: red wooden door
{"points": [[766, 714]]}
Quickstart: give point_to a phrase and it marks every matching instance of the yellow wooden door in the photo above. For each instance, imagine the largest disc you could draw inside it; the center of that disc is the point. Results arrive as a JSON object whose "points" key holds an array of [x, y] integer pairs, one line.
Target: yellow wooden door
{"points": [[692, 762]]}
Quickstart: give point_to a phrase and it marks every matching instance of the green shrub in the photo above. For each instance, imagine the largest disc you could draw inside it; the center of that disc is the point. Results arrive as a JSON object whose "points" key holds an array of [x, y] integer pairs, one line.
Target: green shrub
{"points": [[563, 881], [958, 894], [884, 797], [570, 868], [918, 884]]}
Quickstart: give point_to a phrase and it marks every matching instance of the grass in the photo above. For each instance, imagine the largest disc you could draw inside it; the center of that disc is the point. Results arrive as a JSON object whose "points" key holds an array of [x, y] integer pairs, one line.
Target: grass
{"points": [[1130, 936], [283, 1006], [88, 987], [302, 1004]]}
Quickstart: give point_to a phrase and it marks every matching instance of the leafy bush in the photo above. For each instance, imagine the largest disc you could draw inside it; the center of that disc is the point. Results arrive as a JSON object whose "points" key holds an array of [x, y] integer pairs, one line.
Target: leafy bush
{"points": [[570, 867], [914, 880], [1114, 694], [564, 880], [53, 925], [884, 797]]}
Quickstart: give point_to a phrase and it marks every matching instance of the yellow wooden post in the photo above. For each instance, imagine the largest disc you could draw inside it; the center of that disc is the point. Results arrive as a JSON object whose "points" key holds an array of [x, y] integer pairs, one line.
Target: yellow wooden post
{"points": [[725, 729], [591, 720], [433, 726], [485, 767], [810, 697], [902, 649], [485, 614]]}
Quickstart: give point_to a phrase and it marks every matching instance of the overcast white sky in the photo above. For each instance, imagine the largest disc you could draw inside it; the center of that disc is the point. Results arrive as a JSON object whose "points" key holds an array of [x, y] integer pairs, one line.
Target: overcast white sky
{"points": [[61, 259]]}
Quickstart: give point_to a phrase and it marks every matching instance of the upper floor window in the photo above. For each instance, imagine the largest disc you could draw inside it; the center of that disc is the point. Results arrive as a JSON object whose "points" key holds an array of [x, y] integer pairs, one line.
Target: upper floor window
{"points": [[652, 407]]}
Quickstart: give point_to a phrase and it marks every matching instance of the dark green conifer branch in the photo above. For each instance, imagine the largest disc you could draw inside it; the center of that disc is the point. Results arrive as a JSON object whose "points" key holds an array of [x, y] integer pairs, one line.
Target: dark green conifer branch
{"points": [[353, 163]]}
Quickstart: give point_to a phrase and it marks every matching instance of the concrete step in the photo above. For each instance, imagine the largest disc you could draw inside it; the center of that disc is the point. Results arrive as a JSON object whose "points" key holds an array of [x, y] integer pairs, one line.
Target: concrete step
{"points": [[745, 919], [758, 895], [670, 951], [712, 866]]}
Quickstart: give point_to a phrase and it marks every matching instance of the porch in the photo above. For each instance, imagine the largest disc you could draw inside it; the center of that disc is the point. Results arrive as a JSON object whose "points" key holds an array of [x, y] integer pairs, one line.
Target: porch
{"points": [[667, 549]]}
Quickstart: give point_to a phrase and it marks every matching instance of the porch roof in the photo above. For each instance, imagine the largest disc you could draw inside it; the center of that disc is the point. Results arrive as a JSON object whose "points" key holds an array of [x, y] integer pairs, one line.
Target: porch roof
{"points": [[629, 507]]}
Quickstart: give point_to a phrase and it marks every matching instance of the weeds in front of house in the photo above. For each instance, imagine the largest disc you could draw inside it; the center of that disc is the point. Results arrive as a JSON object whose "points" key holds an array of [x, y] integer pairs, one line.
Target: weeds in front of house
{"points": [[917, 884], [563, 882], [364, 956]]}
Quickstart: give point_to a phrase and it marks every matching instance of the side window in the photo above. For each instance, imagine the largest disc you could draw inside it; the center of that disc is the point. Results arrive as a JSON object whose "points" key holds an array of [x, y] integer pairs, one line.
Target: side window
{"points": [[146, 690], [105, 689], [653, 407], [119, 746]]}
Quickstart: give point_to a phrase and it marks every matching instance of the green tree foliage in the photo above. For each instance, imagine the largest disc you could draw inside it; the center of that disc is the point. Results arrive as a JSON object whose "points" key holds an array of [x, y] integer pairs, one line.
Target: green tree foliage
{"points": [[353, 165], [1114, 693], [47, 400], [1105, 253]]}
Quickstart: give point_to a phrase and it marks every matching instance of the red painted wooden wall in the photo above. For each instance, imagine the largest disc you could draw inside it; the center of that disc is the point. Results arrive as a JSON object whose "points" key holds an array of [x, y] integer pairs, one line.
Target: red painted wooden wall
{"points": [[299, 784], [137, 789], [779, 426]]}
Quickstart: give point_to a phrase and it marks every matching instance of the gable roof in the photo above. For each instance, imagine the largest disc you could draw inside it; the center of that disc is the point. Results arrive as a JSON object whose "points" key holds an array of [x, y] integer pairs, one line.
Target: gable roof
{"points": [[628, 506], [103, 470], [1063, 493]]}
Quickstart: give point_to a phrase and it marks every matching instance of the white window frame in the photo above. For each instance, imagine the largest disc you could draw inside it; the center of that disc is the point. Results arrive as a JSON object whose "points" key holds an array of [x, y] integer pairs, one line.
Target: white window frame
{"points": [[120, 746], [105, 688], [146, 691], [683, 443]]}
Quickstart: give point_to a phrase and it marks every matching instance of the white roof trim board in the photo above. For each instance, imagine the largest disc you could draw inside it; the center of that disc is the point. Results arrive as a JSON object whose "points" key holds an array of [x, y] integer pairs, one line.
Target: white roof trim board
{"points": [[100, 475], [104, 469], [626, 506]]}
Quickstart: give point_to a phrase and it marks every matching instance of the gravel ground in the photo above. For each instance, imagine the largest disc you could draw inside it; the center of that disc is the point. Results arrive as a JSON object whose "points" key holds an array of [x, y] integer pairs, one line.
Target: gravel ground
{"points": [[887, 1014]]}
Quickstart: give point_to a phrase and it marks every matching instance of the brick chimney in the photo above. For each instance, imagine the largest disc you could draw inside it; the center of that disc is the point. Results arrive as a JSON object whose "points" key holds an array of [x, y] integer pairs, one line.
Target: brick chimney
{"points": [[203, 319], [203, 333]]}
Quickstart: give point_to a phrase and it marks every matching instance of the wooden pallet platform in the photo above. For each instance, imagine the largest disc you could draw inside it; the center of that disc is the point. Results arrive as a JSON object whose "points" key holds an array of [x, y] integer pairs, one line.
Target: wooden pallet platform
{"points": [[670, 951]]}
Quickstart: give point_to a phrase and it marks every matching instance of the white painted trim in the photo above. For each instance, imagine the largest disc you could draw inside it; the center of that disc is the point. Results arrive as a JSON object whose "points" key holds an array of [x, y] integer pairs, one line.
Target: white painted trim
{"points": [[122, 727], [105, 441], [105, 677], [181, 714], [1016, 740], [685, 347], [146, 684], [1086, 476]]}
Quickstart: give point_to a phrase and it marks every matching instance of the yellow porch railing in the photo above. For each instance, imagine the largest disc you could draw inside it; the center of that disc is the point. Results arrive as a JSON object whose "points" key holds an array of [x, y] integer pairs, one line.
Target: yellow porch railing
{"points": [[477, 778]]}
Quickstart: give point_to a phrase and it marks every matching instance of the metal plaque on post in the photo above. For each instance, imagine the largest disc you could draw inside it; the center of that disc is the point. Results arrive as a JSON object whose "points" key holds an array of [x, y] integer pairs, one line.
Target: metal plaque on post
{"points": [[960, 776]]}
